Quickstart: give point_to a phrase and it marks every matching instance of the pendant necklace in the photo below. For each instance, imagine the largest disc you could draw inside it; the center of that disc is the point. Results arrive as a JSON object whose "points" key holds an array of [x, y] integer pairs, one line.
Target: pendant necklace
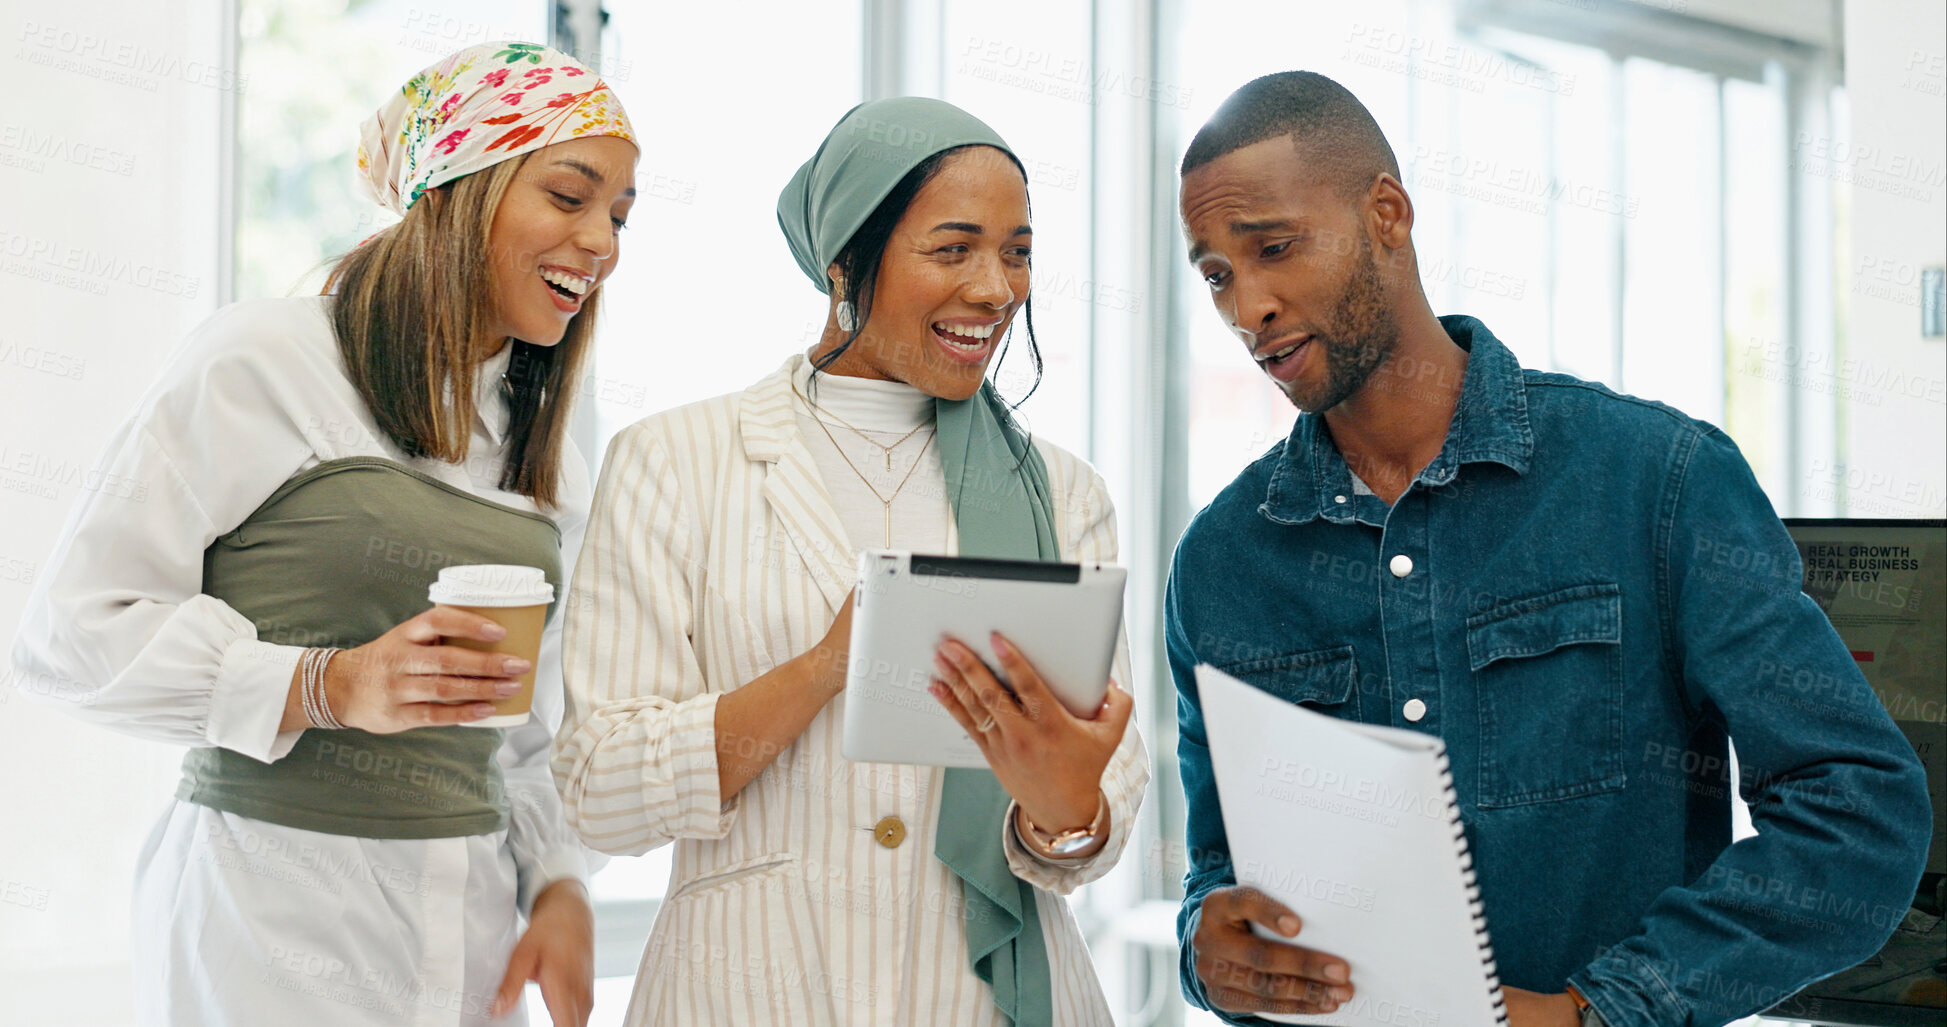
{"points": [[884, 500], [847, 425]]}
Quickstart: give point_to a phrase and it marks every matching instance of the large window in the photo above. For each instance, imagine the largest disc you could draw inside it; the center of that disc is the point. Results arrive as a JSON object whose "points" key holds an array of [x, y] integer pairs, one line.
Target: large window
{"points": [[726, 103]]}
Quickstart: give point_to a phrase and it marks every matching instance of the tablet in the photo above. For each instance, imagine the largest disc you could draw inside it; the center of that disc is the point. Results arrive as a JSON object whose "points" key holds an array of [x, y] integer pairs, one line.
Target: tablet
{"points": [[1064, 617]]}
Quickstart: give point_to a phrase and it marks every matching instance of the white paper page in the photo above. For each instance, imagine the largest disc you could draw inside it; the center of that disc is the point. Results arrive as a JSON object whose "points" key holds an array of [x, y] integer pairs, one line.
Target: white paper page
{"points": [[1350, 826]]}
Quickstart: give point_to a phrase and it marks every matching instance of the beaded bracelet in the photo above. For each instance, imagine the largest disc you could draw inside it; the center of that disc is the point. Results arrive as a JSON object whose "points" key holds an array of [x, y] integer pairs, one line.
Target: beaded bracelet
{"points": [[311, 668]]}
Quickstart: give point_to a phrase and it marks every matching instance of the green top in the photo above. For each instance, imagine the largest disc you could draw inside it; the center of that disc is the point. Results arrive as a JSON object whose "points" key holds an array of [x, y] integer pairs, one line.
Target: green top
{"points": [[338, 556]]}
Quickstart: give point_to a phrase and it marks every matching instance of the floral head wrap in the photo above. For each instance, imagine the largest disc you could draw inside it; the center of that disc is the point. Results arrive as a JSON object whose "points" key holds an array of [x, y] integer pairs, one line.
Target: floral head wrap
{"points": [[477, 108]]}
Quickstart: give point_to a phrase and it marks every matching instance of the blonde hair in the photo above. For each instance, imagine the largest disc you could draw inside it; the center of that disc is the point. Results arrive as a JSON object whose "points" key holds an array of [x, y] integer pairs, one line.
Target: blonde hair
{"points": [[410, 306]]}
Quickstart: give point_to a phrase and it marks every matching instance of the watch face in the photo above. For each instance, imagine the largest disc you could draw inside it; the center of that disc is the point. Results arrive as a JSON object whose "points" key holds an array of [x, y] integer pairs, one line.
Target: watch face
{"points": [[1070, 842]]}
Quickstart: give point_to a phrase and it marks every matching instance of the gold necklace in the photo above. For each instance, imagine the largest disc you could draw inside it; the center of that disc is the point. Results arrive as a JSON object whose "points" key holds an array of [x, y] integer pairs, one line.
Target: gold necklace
{"points": [[843, 423], [884, 501]]}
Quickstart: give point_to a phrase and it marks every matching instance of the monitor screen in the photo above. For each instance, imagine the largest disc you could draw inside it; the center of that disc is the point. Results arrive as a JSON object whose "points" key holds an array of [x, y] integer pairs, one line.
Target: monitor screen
{"points": [[1882, 584]]}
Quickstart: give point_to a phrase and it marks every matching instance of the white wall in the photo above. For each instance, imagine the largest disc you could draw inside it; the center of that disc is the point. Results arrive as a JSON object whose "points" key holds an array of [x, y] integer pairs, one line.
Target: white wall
{"points": [[1896, 67], [108, 163]]}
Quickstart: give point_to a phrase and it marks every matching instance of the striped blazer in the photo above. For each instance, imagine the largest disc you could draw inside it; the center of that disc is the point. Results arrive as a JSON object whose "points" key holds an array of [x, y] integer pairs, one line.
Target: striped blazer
{"points": [[714, 554]]}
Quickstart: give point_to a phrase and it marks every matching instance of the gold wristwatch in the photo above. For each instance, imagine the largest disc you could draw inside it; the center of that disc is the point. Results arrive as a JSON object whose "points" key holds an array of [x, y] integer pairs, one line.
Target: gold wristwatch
{"points": [[1070, 843]]}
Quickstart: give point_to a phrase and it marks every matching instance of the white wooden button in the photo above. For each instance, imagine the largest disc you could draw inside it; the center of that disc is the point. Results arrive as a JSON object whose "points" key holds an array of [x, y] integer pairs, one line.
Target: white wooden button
{"points": [[1402, 565], [1414, 710]]}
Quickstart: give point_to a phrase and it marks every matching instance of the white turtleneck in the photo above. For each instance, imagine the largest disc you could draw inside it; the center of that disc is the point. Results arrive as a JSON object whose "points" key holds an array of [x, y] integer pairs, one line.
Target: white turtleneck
{"points": [[882, 412]]}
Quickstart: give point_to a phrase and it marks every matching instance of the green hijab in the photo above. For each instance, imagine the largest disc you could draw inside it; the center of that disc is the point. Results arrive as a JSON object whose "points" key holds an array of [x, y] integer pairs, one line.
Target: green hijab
{"points": [[998, 485]]}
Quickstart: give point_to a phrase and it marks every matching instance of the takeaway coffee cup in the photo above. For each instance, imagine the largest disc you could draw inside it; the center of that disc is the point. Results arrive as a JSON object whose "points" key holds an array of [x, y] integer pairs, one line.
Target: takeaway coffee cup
{"points": [[517, 599]]}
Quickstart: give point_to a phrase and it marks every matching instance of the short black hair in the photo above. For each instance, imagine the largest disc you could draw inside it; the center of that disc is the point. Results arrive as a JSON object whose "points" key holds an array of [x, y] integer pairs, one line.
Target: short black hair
{"points": [[1334, 133]]}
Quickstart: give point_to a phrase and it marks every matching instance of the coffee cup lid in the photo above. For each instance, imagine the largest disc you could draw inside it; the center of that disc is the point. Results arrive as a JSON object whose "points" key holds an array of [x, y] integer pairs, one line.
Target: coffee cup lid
{"points": [[491, 584]]}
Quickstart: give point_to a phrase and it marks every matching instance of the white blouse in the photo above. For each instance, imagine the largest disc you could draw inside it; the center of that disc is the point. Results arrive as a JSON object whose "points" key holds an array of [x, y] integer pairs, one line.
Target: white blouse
{"points": [[118, 629]]}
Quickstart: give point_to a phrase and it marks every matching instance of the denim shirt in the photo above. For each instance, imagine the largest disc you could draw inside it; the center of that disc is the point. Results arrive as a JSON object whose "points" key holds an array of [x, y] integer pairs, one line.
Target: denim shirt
{"points": [[1590, 594]]}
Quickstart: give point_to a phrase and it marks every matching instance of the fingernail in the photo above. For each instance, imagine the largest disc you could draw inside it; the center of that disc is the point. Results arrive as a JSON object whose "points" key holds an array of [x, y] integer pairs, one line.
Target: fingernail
{"points": [[940, 664], [484, 710], [506, 688], [515, 665], [1337, 972], [1341, 994], [936, 689], [1000, 644], [493, 632], [1287, 925]]}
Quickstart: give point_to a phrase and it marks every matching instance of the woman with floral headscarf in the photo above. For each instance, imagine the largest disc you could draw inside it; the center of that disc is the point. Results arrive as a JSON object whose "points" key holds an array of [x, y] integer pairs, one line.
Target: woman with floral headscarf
{"points": [[343, 849]]}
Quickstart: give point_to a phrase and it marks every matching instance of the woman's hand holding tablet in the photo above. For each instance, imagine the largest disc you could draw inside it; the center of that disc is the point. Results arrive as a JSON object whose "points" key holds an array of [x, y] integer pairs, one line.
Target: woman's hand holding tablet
{"points": [[1048, 759], [1060, 622]]}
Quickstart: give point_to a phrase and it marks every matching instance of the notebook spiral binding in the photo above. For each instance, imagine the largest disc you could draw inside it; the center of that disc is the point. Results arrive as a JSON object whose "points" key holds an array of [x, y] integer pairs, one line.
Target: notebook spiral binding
{"points": [[1473, 889]]}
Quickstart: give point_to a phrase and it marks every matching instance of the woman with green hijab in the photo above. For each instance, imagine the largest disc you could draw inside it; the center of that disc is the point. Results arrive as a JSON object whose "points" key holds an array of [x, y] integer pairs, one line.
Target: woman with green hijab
{"points": [[709, 626]]}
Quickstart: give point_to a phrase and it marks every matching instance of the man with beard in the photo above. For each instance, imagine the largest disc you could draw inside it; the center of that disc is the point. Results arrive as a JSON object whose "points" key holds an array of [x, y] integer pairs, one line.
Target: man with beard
{"points": [[1586, 595]]}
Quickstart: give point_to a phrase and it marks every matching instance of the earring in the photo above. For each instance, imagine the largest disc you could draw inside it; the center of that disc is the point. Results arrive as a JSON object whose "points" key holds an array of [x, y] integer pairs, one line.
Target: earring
{"points": [[847, 319]]}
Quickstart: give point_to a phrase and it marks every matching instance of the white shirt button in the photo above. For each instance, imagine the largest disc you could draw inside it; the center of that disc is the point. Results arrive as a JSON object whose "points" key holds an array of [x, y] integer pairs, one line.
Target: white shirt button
{"points": [[1338, 499], [1414, 710], [1402, 565]]}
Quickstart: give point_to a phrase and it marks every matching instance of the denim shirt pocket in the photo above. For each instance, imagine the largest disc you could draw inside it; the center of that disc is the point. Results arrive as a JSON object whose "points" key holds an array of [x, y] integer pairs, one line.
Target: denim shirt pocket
{"points": [[1325, 679], [1549, 673]]}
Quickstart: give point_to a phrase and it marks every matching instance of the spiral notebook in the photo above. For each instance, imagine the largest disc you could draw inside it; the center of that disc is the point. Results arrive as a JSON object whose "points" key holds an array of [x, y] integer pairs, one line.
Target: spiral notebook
{"points": [[1355, 828]]}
